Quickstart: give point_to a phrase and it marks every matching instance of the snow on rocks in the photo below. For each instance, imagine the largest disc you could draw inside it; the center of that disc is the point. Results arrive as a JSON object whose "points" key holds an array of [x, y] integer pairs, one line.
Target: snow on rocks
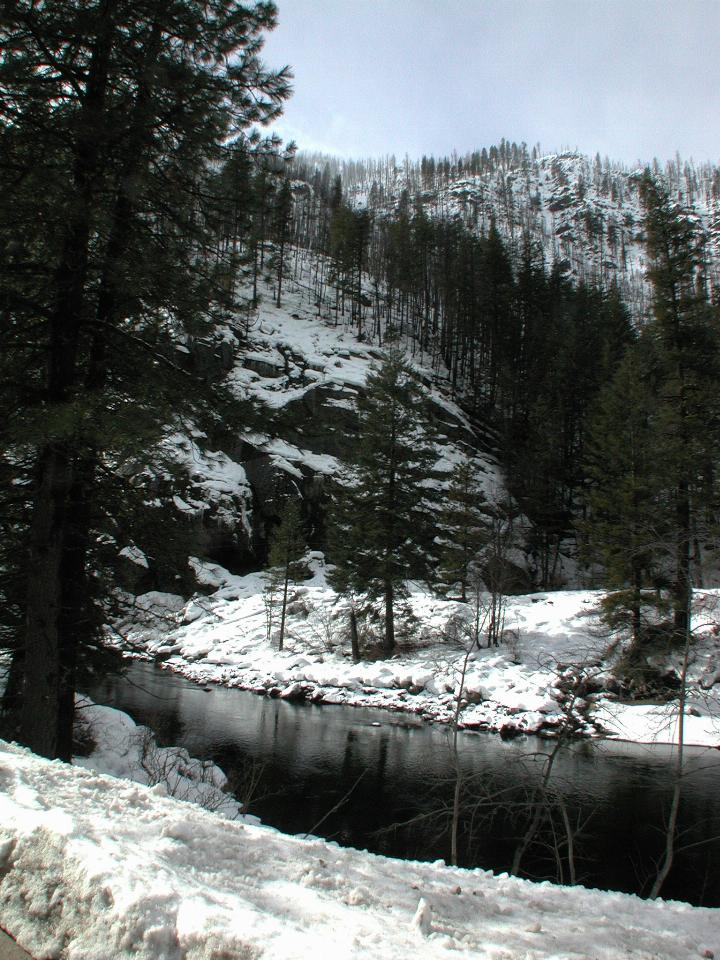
{"points": [[121, 748], [521, 686], [94, 867]]}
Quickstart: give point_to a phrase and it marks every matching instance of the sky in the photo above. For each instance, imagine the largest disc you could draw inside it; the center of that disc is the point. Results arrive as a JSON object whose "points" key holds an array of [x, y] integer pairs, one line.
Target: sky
{"points": [[629, 79]]}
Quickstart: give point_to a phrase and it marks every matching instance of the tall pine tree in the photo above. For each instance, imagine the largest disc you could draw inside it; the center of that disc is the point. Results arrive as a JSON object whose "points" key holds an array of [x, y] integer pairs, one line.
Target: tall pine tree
{"points": [[127, 107], [381, 535], [464, 523], [685, 330], [627, 512]]}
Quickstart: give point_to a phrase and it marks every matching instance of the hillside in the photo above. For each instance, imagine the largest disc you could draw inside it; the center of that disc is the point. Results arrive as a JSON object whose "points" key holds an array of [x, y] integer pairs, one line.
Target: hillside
{"points": [[298, 370], [583, 214]]}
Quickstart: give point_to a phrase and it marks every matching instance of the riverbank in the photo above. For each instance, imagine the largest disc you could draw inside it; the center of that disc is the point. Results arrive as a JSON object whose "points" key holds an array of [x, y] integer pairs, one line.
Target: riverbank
{"points": [[95, 867], [556, 665]]}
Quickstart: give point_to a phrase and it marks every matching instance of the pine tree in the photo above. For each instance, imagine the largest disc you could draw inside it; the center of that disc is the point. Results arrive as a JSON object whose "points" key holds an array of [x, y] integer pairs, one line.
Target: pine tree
{"points": [[464, 526], [127, 108], [381, 520], [685, 330], [627, 513], [281, 230]]}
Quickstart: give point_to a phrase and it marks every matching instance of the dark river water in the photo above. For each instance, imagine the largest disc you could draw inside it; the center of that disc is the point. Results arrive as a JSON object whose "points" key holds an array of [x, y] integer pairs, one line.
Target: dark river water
{"points": [[384, 782]]}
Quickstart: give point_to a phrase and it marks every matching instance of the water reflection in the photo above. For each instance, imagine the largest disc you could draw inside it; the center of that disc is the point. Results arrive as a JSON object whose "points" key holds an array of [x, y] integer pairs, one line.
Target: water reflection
{"points": [[379, 769]]}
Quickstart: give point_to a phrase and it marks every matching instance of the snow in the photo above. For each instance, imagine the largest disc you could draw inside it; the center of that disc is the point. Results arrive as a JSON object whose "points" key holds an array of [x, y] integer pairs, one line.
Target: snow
{"points": [[134, 555], [301, 356], [549, 641], [95, 867], [586, 215], [121, 748], [216, 482]]}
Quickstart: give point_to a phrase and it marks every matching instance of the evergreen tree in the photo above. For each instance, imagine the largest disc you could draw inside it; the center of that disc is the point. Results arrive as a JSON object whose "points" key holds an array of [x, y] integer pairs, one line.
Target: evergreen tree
{"points": [[281, 230], [685, 330], [625, 465], [381, 520], [127, 109], [464, 527]]}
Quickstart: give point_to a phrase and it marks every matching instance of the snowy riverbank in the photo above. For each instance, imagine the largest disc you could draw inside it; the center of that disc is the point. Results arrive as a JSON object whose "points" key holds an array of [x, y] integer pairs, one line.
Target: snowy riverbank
{"points": [[557, 659], [95, 867]]}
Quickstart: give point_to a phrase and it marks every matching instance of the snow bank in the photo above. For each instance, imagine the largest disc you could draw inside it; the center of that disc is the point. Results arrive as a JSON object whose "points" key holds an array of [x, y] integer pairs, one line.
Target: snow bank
{"points": [[520, 686], [97, 868], [122, 748]]}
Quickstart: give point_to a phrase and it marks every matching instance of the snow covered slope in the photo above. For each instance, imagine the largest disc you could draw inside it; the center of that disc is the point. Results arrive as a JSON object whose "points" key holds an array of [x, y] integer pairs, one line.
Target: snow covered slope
{"points": [[554, 667], [95, 868], [299, 374], [583, 214]]}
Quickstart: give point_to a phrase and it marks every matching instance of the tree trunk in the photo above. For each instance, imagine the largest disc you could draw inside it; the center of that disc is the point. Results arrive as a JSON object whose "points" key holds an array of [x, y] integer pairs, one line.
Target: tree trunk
{"points": [[47, 710], [457, 767], [682, 585], [281, 263], [354, 641], [286, 580], [42, 711], [637, 607], [539, 810], [671, 830], [389, 638]]}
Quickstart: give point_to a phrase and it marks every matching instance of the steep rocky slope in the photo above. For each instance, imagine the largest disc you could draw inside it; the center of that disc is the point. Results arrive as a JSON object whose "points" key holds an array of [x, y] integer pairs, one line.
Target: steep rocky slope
{"points": [[299, 372]]}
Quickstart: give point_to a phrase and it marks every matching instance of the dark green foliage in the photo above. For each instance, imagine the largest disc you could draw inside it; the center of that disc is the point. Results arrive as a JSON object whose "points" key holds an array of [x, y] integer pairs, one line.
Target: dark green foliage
{"points": [[685, 332], [464, 525], [381, 517], [349, 235], [113, 117], [281, 231], [288, 542], [575, 337], [525, 351], [651, 460], [626, 467]]}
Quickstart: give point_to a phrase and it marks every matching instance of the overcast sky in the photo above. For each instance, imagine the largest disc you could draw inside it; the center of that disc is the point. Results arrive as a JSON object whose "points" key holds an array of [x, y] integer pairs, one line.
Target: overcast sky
{"points": [[630, 79]]}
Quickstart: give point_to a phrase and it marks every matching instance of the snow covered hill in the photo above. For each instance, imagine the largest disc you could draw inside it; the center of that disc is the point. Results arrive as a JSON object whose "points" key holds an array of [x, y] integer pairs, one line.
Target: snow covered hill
{"points": [[298, 371], [95, 868], [583, 214]]}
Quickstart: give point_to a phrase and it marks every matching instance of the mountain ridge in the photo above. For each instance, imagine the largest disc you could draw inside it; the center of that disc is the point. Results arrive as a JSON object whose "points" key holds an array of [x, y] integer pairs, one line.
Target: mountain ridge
{"points": [[582, 214]]}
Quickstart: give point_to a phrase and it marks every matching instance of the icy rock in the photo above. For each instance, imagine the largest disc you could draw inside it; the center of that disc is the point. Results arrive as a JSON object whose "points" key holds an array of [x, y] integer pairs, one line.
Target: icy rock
{"points": [[296, 691], [422, 921]]}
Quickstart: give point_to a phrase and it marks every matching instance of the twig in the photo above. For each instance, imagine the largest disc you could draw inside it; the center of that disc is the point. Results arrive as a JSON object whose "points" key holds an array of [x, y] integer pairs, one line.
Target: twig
{"points": [[332, 810]]}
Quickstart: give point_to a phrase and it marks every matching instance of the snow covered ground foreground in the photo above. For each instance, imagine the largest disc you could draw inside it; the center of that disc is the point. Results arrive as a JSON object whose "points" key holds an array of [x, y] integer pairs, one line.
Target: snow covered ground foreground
{"points": [[95, 868], [556, 659]]}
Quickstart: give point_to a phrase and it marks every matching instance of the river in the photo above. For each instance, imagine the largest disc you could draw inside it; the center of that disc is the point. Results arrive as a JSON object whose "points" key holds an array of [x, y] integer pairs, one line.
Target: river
{"points": [[356, 775]]}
